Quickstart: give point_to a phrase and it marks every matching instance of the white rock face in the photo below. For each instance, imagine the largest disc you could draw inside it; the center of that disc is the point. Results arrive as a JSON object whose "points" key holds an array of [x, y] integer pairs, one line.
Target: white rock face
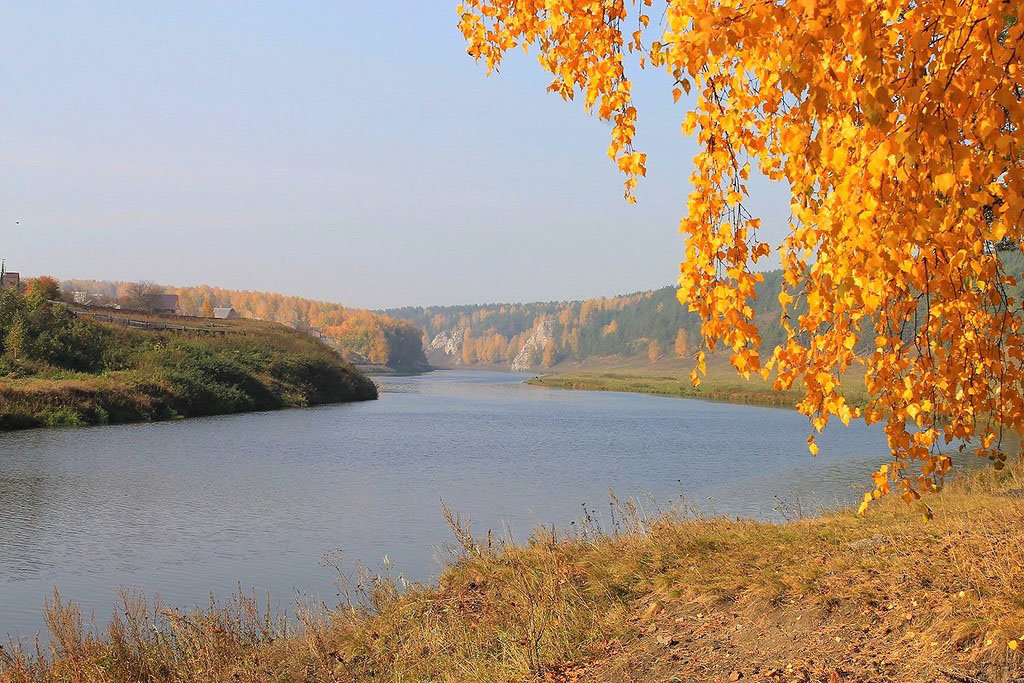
{"points": [[534, 344], [449, 342]]}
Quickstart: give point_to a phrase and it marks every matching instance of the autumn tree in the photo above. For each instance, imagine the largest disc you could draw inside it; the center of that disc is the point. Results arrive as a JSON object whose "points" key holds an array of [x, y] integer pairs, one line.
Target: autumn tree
{"points": [[654, 351], [16, 340], [681, 346], [586, 311], [898, 127], [548, 359], [45, 287], [207, 309], [572, 341], [468, 352]]}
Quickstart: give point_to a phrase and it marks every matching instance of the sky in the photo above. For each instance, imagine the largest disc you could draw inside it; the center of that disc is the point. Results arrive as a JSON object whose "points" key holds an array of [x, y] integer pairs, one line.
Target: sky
{"points": [[343, 151]]}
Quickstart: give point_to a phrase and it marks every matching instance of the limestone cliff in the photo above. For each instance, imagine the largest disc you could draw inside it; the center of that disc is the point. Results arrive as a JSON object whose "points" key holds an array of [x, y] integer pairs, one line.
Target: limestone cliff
{"points": [[534, 345], [446, 348]]}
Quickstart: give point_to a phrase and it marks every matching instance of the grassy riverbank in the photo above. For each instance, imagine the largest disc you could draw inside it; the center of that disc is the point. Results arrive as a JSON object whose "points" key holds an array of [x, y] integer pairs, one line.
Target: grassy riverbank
{"points": [[59, 370], [721, 384], [887, 597]]}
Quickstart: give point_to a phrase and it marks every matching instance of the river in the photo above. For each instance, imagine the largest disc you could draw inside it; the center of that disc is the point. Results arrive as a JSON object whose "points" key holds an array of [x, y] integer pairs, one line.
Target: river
{"points": [[184, 508]]}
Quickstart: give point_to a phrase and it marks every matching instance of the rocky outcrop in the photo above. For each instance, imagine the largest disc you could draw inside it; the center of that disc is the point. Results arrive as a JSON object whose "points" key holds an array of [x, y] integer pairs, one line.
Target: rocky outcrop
{"points": [[446, 348], [534, 345]]}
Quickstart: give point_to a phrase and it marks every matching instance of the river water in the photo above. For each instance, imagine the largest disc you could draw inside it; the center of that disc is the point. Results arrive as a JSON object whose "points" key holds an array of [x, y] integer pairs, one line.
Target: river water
{"points": [[183, 509]]}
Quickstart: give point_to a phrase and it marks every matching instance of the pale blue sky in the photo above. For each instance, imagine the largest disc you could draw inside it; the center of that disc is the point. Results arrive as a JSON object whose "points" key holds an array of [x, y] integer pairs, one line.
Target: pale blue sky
{"points": [[339, 150]]}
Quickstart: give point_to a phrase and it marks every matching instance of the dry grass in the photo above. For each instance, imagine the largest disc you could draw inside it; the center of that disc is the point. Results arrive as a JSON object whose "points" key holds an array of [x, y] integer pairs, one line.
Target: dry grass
{"points": [[837, 598]]}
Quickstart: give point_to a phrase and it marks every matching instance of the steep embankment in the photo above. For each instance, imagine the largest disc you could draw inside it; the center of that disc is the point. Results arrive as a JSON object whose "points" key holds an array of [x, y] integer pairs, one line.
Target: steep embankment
{"points": [[365, 337], [57, 369], [841, 598]]}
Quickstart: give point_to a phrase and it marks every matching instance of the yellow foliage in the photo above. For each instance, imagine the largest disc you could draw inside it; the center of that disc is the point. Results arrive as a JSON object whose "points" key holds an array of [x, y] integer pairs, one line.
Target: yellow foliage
{"points": [[654, 351], [469, 355], [548, 358], [899, 128], [681, 345]]}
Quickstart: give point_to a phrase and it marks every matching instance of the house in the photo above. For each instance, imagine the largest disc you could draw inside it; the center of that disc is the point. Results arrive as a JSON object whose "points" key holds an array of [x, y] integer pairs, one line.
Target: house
{"points": [[225, 313], [165, 303], [9, 280]]}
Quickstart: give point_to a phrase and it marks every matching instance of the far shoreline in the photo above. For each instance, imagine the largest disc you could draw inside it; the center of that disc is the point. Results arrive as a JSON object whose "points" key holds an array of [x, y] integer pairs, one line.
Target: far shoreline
{"points": [[720, 386]]}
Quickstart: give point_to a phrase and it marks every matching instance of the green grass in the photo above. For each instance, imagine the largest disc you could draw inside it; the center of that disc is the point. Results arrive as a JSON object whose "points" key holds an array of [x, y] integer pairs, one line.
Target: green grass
{"points": [[721, 384]]}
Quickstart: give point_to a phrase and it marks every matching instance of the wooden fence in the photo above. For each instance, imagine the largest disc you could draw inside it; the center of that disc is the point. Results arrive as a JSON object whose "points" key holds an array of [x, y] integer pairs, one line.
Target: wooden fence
{"points": [[144, 324]]}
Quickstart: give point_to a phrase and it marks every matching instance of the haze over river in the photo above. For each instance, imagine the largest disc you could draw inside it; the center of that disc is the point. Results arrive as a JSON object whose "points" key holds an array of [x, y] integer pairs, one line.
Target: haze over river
{"points": [[186, 508]]}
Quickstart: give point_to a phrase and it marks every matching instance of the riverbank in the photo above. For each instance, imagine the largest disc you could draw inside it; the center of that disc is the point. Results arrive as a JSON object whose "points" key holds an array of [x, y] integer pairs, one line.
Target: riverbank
{"points": [[70, 370], [722, 383], [885, 597]]}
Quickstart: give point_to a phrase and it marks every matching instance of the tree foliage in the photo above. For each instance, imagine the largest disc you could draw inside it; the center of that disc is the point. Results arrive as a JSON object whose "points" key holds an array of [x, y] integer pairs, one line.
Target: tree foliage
{"points": [[680, 345], [45, 287], [898, 128], [549, 355], [34, 331], [654, 351]]}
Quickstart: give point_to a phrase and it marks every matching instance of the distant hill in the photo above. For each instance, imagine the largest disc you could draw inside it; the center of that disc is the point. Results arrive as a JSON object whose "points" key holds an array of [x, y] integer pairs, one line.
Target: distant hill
{"points": [[363, 335], [531, 336], [640, 327]]}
